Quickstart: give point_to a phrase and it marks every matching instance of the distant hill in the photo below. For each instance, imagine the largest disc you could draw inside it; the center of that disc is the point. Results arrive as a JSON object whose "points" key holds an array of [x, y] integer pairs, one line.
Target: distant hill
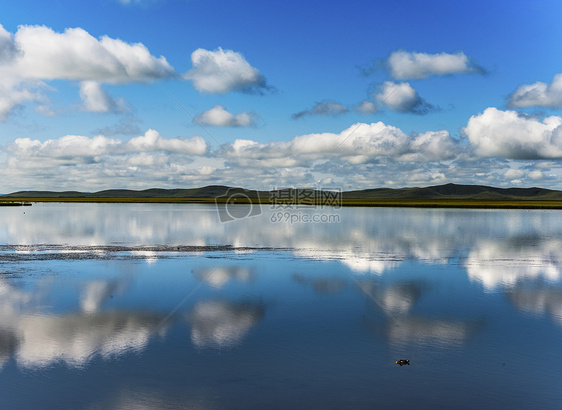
{"points": [[447, 191], [211, 191], [454, 191]]}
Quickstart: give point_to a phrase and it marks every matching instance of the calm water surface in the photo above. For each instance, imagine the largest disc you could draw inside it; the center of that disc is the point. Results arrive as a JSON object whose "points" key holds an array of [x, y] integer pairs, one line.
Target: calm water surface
{"points": [[164, 306]]}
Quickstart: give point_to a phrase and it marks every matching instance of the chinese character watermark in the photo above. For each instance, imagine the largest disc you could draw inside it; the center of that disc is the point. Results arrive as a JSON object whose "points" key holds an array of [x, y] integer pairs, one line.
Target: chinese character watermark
{"points": [[237, 203]]}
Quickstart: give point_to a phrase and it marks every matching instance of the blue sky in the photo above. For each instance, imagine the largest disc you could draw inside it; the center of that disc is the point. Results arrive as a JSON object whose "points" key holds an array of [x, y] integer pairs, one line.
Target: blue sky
{"points": [[351, 95]]}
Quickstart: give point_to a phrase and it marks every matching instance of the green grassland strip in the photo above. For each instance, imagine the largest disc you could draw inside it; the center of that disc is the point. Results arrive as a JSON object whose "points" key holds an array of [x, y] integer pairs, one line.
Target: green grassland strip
{"points": [[410, 203], [457, 203]]}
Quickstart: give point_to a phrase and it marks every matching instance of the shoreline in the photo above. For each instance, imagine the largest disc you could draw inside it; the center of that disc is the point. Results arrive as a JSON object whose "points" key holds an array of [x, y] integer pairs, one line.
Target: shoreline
{"points": [[393, 203]]}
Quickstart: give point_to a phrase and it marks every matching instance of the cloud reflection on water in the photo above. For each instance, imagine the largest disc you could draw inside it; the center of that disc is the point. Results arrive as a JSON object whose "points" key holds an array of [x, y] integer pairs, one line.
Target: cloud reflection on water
{"points": [[98, 291], [403, 325], [38, 339], [498, 247], [220, 323], [327, 285], [538, 300], [505, 262], [436, 332], [219, 276]]}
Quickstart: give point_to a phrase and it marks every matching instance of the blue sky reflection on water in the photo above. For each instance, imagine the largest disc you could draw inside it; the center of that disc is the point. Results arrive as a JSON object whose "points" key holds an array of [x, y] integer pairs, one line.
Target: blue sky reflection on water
{"points": [[315, 316]]}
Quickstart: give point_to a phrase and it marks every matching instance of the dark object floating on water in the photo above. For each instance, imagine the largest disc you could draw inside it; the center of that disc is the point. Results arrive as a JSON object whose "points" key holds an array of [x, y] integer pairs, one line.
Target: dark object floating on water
{"points": [[402, 362]]}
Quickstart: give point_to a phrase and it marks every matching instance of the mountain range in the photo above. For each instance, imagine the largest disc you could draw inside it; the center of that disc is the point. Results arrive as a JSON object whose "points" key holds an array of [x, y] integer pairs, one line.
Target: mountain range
{"points": [[447, 191]]}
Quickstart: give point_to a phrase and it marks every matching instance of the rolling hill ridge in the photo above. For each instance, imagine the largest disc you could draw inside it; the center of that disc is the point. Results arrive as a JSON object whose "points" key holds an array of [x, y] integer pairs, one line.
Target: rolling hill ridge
{"points": [[447, 191]]}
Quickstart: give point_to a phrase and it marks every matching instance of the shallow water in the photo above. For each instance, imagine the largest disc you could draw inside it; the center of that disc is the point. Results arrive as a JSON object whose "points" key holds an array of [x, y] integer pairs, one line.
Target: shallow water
{"points": [[164, 306]]}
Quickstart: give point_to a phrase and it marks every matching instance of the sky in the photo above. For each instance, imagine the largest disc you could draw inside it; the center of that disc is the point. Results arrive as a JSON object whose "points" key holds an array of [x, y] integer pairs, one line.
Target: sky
{"points": [[348, 95]]}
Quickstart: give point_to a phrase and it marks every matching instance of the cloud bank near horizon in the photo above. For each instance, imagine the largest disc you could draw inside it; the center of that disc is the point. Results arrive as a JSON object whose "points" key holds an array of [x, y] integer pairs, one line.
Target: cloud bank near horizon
{"points": [[497, 148]]}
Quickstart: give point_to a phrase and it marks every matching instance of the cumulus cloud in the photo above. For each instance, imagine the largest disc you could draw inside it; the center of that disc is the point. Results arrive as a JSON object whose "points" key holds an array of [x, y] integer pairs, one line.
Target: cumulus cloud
{"points": [[152, 141], [358, 144], [355, 144], [326, 107], [513, 174], [511, 135], [13, 95], [538, 94], [403, 65], [35, 54], [365, 107], [75, 162], [218, 116], [76, 146], [224, 71], [97, 100], [431, 146], [402, 97], [77, 55], [361, 156], [8, 48]]}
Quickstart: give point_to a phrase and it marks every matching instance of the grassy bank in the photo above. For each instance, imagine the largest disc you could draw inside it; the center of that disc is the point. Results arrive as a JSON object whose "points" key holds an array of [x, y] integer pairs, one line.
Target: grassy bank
{"points": [[410, 203]]}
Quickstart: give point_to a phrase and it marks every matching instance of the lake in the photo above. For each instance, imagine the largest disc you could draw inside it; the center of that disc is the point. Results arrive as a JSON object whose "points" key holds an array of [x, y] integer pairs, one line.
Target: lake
{"points": [[165, 306]]}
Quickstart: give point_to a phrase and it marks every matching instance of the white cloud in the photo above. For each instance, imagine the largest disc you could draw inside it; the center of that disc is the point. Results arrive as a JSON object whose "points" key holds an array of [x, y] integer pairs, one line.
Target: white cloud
{"points": [[538, 94], [404, 65], [223, 71], [402, 97], [511, 135], [361, 156], [75, 162], [365, 107], [152, 141], [220, 117], [361, 139], [8, 48], [77, 55], [326, 107], [431, 146], [536, 174], [358, 144], [207, 170], [35, 54], [12, 96], [513, 174], [97, 100], [76, 146]]}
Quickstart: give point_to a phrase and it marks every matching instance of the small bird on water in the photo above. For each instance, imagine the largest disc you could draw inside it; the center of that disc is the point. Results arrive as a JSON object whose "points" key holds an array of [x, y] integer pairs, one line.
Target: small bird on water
{"points": [[402, 362]]}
